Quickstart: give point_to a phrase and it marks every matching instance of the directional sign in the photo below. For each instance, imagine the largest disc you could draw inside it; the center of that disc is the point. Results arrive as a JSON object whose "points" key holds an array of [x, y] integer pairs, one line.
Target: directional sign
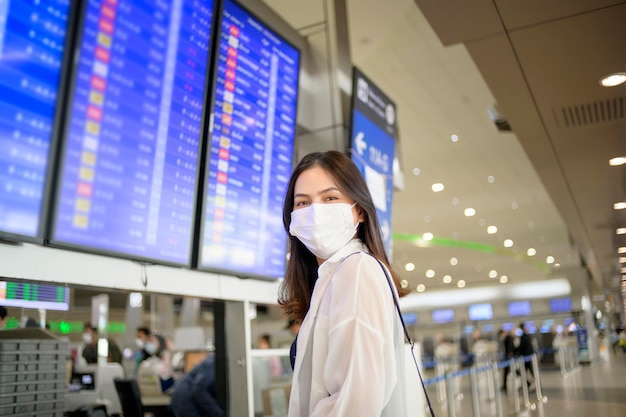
{"points": [[373, 136]]}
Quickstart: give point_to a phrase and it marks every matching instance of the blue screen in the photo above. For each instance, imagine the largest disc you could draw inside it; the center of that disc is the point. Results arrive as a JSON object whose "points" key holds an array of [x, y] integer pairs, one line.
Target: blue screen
{"points": [[443, 315], [481, 312], [251, 148], [561, 305], [128, 177], [519, 308], [32, 38]]}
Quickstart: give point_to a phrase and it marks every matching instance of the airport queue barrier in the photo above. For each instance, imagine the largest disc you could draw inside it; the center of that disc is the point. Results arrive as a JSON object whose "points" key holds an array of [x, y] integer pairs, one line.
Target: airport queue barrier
{"points": [[483, 381]]}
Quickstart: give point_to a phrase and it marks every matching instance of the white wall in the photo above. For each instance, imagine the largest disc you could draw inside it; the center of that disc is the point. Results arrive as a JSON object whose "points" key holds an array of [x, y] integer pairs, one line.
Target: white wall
{"points": [[39, 263]]}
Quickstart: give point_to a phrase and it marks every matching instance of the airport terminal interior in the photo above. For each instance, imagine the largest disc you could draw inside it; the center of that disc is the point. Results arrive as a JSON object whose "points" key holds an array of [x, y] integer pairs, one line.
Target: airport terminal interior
{"points": [[145, 151]]}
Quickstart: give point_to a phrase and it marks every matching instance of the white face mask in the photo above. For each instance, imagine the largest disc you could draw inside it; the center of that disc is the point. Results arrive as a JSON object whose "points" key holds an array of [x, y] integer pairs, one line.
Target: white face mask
{"points": [[87, 338], [140, 343], [150, 348], [323, 228]]}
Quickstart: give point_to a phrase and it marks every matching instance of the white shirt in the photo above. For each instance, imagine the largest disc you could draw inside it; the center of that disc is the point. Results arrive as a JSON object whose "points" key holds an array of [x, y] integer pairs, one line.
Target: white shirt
{"points": [[350, 359]]}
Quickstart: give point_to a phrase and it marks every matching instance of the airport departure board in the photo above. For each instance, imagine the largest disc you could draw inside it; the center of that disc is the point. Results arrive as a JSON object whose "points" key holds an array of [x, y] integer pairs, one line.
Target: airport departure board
{"points": [[32, 39], [29, 295], [129, 165], [250, 148]]}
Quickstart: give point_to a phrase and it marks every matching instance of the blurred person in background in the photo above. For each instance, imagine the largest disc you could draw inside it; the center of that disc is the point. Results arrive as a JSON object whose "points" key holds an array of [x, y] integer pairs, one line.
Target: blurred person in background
{"points": [[194, 394]]}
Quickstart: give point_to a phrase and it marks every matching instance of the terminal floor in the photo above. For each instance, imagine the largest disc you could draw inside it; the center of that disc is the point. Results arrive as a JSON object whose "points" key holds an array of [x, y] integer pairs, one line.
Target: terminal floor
{"points": [[595, 390]]}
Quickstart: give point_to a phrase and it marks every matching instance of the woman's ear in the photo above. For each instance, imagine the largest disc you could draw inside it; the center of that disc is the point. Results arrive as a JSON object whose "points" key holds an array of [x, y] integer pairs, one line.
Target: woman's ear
{"points": [[361, 214]]}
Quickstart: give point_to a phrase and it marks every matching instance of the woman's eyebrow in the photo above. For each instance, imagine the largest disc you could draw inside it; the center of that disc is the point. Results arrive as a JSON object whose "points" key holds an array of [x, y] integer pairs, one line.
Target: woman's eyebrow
{"points": [[319, 193]]}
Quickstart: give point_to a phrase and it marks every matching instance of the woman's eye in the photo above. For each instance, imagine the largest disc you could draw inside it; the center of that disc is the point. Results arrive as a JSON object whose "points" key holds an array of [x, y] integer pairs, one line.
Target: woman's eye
{"points": [[301, 203], [331, 198]]}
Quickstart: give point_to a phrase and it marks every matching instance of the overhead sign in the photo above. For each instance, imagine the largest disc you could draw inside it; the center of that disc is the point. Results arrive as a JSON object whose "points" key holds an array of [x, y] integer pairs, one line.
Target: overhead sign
{"points": [[373, 135]]}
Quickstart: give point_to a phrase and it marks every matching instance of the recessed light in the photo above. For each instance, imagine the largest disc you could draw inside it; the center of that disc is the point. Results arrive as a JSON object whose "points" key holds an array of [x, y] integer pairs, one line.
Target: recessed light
{"points": [[447, 279], [617, 161], [491, 179], [492, 230], [460, 283], [410, 266], [508, 243], [514, 205], [531, 252], [416, 171], [504, 279], [453, 261], [622, 259], [621, 231], [620, 206], [455, 201], [557, 265], [454, 138], [613, 80], [623, 270], [421, 288], [549, 259], [437, 187], [430, 273], [621, 249], [531, 224], [427, 219], [404, 283], [469, 212], [427, 236], [493, 273]]}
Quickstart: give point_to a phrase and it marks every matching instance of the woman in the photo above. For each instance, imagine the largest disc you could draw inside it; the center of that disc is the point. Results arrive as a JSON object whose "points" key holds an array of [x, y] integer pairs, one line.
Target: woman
{"points": [[349, 358]]}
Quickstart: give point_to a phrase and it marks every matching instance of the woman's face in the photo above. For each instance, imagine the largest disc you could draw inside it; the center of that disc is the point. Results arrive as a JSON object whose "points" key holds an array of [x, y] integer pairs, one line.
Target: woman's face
{"points": [[315, 186]]}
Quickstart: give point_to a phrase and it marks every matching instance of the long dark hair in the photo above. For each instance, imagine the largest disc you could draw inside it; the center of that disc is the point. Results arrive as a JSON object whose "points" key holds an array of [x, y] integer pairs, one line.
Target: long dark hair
{"points": [[297, 287]]}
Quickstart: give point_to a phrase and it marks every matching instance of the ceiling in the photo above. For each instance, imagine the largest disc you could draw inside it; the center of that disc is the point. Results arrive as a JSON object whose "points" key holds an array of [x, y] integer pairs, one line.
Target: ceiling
{"points": [[547, 184]]}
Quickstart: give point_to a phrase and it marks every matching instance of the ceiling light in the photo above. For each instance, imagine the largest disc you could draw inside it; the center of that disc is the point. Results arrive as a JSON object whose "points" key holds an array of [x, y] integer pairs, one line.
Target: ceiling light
{"points": [[427, 236], [508, 243], [623, 270], [455, 201], [491, 179], [410, 266], [493, 273], [504, 279], [622, 259], [621, 250], [430, 273], [557, 265], [461, 284], [620, 206], [531, 224], [549, 259], [617, 161], [613, 80], [417, 171], [427, 219], [438, 187], [453, 261], [421, 288], [621, 231], [469, 212], [404, 283], [454, 138], [514, 205], [492, 230], [447, 279], [531, 252]]}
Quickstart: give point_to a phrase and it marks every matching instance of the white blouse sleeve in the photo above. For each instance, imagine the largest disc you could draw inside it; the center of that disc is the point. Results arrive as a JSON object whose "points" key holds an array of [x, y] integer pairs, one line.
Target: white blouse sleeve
{"points": [[360, 370]]}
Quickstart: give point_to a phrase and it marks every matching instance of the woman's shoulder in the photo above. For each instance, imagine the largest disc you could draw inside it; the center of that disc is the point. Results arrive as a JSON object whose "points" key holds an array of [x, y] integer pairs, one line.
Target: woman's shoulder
{"points": [[361, 267]]}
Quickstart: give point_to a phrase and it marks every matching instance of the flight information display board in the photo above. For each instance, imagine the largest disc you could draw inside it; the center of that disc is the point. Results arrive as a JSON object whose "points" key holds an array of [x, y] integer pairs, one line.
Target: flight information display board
{"points": [[29, 295], [32, 40], [250, 150], [129, 166]]}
